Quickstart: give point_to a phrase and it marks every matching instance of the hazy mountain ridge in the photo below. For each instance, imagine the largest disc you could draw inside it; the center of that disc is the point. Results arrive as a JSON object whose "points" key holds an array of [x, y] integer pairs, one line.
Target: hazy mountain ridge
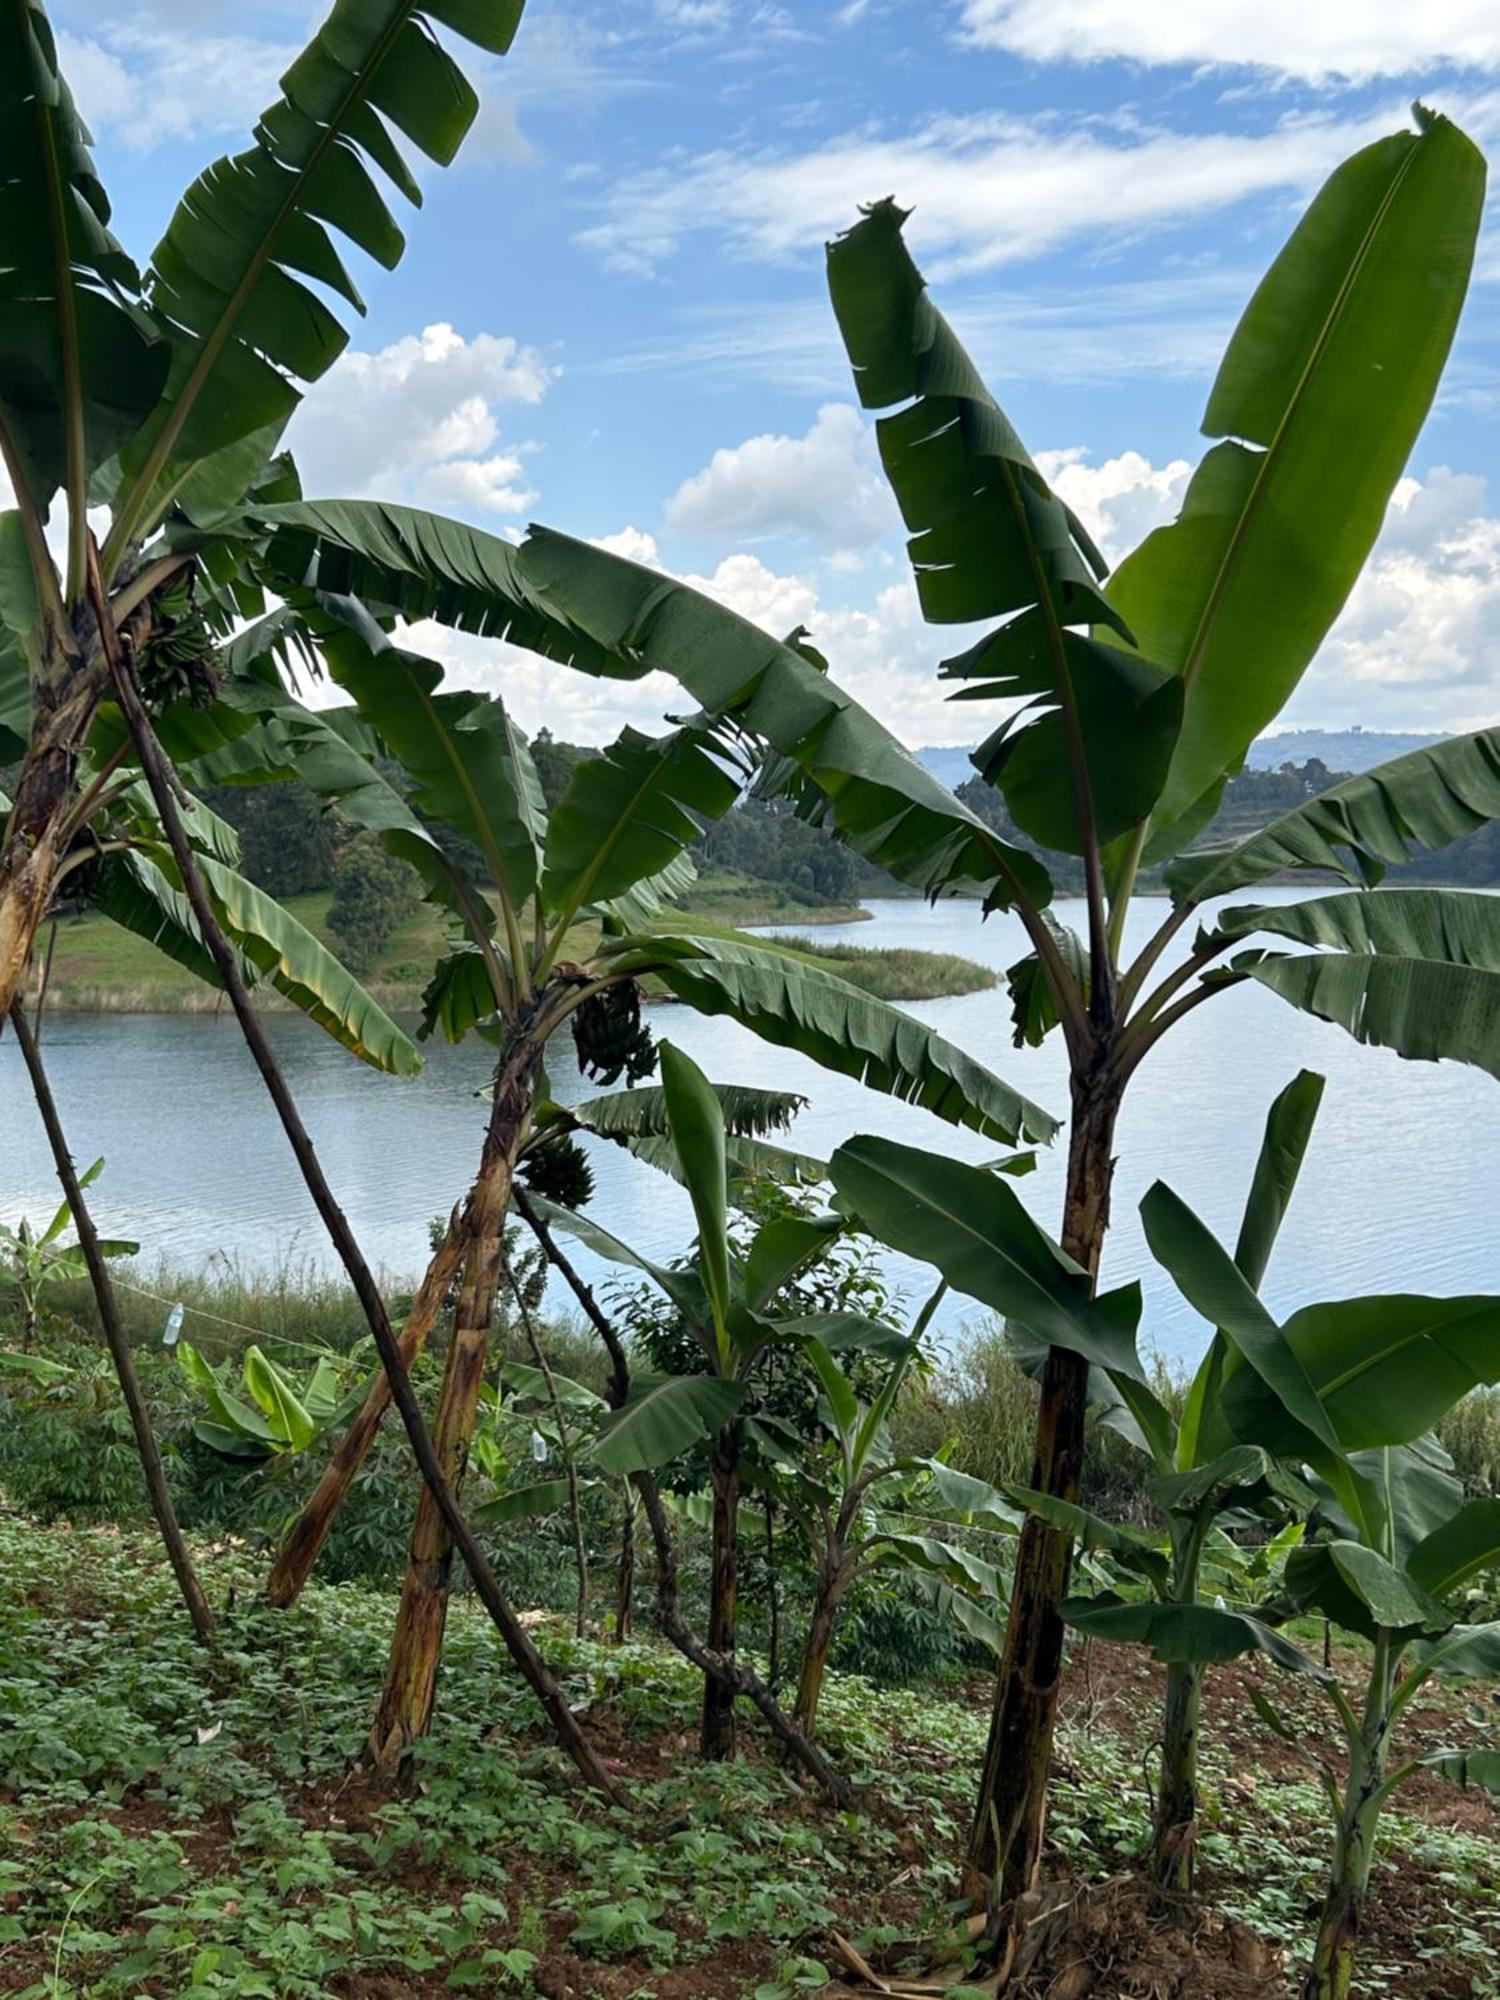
{"points": [[1353, 749]]}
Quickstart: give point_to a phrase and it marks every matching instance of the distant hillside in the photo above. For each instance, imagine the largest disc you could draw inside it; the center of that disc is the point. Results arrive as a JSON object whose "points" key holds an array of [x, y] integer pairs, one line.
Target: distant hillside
{"points": [[1339, 749]]}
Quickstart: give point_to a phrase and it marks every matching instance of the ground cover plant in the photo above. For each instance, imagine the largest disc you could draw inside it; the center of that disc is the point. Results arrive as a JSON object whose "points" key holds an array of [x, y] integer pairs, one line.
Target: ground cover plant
{"points": [[169, 1829]]}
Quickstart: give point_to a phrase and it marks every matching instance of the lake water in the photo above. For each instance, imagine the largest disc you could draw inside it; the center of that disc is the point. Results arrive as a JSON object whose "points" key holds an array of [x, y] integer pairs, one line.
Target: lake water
{"points": [[1398, 1192]]}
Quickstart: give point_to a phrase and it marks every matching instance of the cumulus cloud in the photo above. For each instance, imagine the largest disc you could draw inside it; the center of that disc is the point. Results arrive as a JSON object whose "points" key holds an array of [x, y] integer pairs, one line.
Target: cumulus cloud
{"points": [[701, 14], [1417, 644], [418, 421], [149, 86], [1341, 38], [988, 190], [1119, 501], [826, 485]]}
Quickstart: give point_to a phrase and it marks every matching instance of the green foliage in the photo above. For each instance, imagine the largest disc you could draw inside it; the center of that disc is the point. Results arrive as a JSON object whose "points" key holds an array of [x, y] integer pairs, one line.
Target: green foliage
{"points": [[204, 1837], [372, 892], [36, 1263], [285, 843]]}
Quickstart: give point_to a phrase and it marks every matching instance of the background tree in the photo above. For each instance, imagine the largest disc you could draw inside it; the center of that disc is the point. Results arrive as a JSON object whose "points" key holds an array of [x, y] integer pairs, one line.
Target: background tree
{"points": [[372, 892], [286, 843]]}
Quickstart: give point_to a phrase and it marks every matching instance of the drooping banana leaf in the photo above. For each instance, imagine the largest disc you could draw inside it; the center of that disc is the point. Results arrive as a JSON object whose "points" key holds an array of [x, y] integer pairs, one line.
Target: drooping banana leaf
{"points": [[990, 539], [1414, 970], [635, 1119], [1465, 1545], [524, 1503], [1359, 829], [1384, 1369], [640, 1112], [971, 1226], [422, 565], [791, 999], [1357, 1588], [272, 942], [665, 1416], [1479, 1767], [573, 602], [1187, 1632], [1318, 401]]}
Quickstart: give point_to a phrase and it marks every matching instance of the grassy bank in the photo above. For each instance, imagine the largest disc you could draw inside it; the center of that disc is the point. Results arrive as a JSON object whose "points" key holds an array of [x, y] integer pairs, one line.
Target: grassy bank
{"points": [[99, 968], [895, 973]]}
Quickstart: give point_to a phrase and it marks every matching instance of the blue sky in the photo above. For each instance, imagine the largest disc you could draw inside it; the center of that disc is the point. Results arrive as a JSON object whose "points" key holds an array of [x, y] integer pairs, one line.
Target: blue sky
{"points": [[612, 316]]}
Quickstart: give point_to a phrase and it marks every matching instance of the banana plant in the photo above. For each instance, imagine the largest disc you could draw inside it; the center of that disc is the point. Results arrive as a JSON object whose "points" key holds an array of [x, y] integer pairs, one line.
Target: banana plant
{"points": [[1345, 1393], [728, 1302], [161, 395], [277, 1416], [1199, 1482], [557, 927], [857, 1502], [35, 1260], [1395, 1578], [1128, 702], [829, 1491]]}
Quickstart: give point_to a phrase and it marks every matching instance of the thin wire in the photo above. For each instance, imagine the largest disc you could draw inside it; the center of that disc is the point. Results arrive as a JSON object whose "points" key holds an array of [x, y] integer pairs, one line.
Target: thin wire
{"points": [[218, 1319]]}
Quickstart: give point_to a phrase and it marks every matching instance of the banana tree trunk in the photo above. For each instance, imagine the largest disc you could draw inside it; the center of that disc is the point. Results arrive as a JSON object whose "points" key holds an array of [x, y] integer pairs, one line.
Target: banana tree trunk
{"points": [[717, 1734], [416, 1646], [305, 1538], [834, 1576], [1174, 1826], [1331, 1975], [64, 705], [1005, 1841], [625, 1577]]}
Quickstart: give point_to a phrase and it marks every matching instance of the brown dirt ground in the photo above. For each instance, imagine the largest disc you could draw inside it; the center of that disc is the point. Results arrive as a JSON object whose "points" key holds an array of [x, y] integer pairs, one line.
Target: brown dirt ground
{"points": [[1121, 1942]]}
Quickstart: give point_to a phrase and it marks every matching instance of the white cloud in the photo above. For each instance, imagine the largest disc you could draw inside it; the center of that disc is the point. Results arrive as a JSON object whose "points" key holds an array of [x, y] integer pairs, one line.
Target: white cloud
{"points": [[987, 190], [418, 421], [1120, 501], [1418, 641], [827, 485], [701, 14], [150, 87], [1353, 39]]}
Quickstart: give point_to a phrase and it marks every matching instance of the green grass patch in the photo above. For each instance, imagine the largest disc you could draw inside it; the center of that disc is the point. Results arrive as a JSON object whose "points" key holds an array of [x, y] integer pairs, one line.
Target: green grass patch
{"points": [[897, 973]]}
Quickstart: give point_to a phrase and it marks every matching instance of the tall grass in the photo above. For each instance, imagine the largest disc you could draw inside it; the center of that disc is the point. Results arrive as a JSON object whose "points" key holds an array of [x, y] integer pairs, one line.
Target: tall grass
{"points": [[896, 972]]}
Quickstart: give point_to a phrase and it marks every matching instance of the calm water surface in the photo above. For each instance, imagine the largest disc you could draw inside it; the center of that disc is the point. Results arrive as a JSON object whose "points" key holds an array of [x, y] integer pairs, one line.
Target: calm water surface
{"points": [[1398, 1192]]}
